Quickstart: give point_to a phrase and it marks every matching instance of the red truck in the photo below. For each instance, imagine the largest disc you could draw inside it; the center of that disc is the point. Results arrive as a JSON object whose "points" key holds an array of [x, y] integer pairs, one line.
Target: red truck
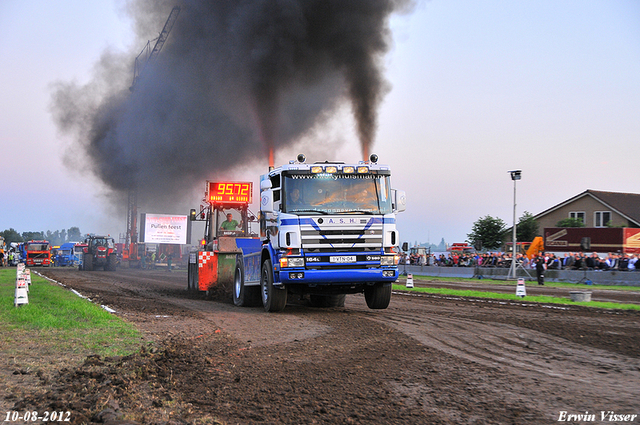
{"points": [[38, 253]]}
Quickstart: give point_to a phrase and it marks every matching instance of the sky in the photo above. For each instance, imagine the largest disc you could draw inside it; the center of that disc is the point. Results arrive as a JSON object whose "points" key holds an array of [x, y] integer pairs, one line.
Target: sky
{"points": [[476, 89]]}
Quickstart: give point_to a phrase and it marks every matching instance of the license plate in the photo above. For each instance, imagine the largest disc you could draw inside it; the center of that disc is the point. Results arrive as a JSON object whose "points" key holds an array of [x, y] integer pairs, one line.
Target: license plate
{"points": [[343, 259]]}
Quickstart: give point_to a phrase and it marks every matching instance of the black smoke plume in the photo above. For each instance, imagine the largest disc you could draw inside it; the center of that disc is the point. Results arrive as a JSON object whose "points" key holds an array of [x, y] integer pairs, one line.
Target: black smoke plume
{"points": [[234, 79]]}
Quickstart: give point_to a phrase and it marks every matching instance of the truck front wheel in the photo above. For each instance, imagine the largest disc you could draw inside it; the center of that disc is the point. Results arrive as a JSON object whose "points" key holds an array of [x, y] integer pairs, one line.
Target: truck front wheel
{"points": [[273, 299], [378, 296], [244, 296]]}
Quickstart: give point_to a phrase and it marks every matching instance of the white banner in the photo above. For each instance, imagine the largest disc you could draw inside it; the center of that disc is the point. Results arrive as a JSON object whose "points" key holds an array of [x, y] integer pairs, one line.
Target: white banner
{"points": [[164, 228]]}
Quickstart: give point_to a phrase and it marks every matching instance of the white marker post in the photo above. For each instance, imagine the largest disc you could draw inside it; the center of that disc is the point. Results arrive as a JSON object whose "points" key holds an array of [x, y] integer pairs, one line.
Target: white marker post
{"points": [[26, 274], [21, 295], [521, 290], [409, 281]]}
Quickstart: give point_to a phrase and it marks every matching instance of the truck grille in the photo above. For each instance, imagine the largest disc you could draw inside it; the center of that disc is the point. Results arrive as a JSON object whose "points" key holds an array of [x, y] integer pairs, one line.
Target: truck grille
{"points": [[341, 238]]}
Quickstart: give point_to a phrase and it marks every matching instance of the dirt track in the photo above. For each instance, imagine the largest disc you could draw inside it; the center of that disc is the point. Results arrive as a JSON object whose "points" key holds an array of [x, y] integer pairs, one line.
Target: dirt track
{"points": [[425, 359]]}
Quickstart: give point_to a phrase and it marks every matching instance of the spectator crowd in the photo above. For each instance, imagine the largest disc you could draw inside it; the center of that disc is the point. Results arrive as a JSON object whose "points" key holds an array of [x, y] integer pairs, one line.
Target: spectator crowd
{"points": [[570, 261]]}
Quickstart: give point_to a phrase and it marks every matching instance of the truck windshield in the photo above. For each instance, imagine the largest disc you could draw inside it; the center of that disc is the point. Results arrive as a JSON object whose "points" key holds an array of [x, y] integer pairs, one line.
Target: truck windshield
{"points": [[336, 193], [37, 247]]}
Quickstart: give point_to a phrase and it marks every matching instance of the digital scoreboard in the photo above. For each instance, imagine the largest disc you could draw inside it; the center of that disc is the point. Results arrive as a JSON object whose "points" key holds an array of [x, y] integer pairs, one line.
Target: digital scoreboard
{"points": [[234, 193]]}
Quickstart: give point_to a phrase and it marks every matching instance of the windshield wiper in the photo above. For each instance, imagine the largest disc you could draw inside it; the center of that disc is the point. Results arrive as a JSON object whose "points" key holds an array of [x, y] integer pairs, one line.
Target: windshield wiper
{"points": [[308, 211], [359, 212]]}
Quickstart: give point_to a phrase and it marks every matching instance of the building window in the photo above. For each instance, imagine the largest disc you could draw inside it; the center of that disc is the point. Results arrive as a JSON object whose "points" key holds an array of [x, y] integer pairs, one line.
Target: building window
{"points": [[601, 218], [578, 215]]}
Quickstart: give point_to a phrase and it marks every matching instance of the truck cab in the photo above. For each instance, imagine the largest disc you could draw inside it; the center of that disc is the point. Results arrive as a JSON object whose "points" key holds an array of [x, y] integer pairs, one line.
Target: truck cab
{"points": [[65, 255], [329, 229], [38, 253], [78, 254]]}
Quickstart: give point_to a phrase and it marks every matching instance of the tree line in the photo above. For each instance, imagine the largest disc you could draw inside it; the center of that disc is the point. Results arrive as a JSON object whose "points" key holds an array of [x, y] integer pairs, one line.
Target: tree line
{"points": [[56, 237], [491, 232]]}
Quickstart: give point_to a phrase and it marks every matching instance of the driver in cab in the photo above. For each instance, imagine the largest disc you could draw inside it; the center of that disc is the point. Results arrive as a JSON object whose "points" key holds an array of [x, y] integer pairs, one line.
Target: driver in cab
{"points": [[294, 197], [229, 224]]}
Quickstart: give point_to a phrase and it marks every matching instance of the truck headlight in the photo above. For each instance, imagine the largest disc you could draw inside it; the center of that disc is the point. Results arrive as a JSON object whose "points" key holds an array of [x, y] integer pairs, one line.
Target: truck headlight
{"points": [[389, 260], [291, 262]]}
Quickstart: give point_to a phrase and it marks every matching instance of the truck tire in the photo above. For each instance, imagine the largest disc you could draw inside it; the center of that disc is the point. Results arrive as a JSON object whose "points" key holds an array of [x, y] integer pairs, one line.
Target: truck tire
{"points": [[327, 301], [378, 296], [87, 262], [273, 299], [244, 296]]}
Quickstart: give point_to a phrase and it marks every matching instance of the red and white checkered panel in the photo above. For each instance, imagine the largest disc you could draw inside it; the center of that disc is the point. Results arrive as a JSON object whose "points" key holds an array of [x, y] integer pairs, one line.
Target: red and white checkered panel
{"points": [[204, 257], [207, 270]]}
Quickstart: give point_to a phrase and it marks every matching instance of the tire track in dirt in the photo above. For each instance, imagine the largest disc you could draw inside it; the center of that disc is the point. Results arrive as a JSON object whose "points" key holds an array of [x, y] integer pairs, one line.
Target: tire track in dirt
{"points": [[580, 377]]}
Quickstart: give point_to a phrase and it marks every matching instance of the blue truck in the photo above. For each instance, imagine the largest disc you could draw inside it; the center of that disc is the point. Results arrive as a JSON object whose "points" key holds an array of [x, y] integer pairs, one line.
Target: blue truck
{"points": [[22, 251], [66, 255], [326, 230]]}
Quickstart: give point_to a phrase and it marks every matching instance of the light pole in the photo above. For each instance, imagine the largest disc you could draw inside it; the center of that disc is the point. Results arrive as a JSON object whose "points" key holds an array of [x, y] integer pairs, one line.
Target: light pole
{"points": [[515, 176]]}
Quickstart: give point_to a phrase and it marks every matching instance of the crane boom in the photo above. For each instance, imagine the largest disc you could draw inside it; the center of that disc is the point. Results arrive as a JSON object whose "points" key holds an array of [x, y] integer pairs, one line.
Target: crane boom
{"points": [[164, 34], [141, 62]]}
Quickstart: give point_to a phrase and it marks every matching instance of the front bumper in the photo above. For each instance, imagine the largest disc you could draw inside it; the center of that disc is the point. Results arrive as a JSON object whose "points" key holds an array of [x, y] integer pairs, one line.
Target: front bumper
{"points": [[336, 277]]}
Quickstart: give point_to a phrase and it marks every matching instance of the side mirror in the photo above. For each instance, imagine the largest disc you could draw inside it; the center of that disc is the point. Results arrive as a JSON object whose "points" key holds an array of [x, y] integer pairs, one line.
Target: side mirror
{"points": [[265, 184], [405, 246], [266, 201], [400, 200]]}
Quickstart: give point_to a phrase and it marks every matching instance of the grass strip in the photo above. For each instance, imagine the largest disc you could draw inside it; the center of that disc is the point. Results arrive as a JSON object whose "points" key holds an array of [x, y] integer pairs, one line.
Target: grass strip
{"points": [[501, 296], [60, 319], [547, 283]]}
